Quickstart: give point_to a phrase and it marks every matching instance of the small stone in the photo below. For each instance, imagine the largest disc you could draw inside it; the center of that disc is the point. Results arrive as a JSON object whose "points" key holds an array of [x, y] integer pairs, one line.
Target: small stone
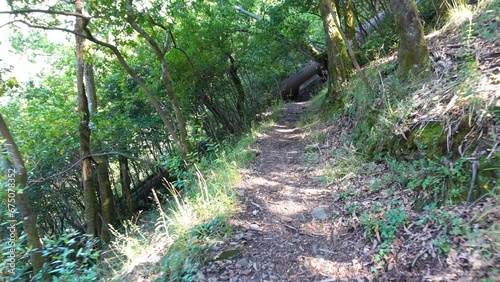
{"points": [[275, 188], [315, 248], [255, 227], [286, 219], [390, 266], [227, 254], [241, 193], [248, 236], [243, 263], [319, 213], [255, 212]]}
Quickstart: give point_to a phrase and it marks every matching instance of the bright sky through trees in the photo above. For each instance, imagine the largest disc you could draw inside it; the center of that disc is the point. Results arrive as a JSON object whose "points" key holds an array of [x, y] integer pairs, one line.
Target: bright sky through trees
{"points": [[22, 68]]}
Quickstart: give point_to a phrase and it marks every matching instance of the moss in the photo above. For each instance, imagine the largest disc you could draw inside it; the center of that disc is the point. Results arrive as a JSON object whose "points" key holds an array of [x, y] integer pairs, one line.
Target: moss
{"points": [[430, 141], [459, 136]]}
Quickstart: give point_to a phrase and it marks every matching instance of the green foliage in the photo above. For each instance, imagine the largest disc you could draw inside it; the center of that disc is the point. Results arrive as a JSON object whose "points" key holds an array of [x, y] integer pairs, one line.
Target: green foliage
{"points": [[17, 248], [380, 43], [385, 226], [70, 257], [446, 183]]}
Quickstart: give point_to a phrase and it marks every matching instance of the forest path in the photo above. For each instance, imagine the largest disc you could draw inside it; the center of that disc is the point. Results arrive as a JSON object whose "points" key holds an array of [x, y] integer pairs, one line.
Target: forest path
{"points": [[284, 230]]}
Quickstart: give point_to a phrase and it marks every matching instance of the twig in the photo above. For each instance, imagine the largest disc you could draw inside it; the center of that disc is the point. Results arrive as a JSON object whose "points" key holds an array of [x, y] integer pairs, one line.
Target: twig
{"points": [[492, 151], [418, 256], [475, 165], [257, 205], [42, 179]]}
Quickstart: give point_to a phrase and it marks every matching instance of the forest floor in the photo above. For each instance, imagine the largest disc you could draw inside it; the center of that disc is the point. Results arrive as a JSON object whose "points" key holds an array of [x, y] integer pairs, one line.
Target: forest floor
{"points": [[285, 229], [313, 206], [294, 226]]}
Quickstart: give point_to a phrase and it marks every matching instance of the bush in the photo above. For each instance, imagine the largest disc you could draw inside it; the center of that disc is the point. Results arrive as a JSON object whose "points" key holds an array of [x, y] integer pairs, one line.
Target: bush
{"points": [[70, 257]]}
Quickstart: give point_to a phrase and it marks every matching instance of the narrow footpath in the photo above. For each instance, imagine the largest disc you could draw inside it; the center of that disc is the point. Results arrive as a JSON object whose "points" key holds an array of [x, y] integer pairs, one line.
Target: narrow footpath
{"points": [[286, 229]]}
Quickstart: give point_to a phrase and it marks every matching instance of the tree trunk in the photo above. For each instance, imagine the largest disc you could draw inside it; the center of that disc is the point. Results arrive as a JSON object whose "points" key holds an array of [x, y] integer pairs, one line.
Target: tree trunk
{"points": [[90, 197], [90, 87], [339, 67], [125, 181], [412, 54], [350, 28], [185, 145], [235, 79], [108, 209], [21, 201], [350, 49]]}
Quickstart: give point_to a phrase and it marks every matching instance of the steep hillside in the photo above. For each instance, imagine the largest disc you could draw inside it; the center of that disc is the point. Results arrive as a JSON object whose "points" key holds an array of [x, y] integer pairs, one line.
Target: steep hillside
{"points": [[398, 185]]}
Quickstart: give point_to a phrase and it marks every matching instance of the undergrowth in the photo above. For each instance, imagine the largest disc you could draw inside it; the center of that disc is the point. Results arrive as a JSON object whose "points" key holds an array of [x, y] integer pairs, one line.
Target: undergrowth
{"points": [[418, 153], [169, 243]]}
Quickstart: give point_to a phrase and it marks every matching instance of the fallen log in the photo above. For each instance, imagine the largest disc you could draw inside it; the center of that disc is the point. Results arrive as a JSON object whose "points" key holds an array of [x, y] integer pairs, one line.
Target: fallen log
{"points": [[291, 86]]}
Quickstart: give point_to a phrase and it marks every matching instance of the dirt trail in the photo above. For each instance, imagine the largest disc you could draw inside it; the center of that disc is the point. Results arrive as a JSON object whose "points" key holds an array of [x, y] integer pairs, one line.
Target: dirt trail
{"points": [[285, 230]]}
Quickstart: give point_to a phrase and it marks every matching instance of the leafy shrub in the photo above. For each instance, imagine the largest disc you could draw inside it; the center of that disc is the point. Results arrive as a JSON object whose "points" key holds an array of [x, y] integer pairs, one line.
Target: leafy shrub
{"points": [[384, 227], [70, 257]]}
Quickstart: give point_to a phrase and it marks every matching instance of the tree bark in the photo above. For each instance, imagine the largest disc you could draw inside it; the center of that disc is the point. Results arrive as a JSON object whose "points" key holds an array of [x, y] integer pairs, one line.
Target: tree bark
{"points": [[339, 67], [125, 181], [350, 49], [413, 55], [235, 79], [22, 203], [108, 209], [90, 87], [350, 25], [89, 190]]}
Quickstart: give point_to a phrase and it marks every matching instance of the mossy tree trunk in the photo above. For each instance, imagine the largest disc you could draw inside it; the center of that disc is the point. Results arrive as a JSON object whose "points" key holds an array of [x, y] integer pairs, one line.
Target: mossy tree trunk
{"points": [[235, 79], [108, 209], [126, 183], [413, 55], [350, 28], [89, 190], [21, 201], [339, 66]]}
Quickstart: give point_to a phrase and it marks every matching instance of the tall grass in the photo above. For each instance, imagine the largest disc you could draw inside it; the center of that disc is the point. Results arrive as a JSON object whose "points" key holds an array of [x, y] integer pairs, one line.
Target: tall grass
{"points": [[169, 246]]}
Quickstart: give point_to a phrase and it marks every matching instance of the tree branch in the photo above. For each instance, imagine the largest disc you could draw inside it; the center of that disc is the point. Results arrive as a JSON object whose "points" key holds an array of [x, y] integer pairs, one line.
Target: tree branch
{"points": [[42, 27], [29, 11], [44, 179]]}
